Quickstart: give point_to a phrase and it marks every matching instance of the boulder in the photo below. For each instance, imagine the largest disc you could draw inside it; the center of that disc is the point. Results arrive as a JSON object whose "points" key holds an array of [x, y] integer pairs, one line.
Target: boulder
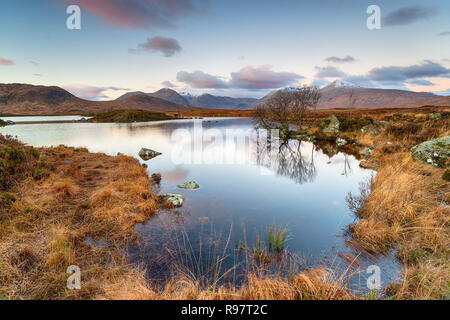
{"points": [[189, 185], [174, 199], [371, 129], [331, 125], [434, 152], [148, 154], [341, 142], [367, 151], [383, 124]]}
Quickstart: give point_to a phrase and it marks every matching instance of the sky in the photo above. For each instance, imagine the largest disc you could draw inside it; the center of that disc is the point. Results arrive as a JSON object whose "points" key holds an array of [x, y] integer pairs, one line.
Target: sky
{"points": [[238, 48]]}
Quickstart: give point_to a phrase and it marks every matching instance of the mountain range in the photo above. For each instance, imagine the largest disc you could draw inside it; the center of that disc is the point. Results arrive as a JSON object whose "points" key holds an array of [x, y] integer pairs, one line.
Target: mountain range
{"points": [[25, 99]]}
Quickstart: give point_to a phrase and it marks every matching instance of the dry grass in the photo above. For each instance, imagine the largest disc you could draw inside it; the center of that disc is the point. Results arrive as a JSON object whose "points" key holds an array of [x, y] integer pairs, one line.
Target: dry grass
{"points": [[406, 206], [315, 284], [42, 231]]}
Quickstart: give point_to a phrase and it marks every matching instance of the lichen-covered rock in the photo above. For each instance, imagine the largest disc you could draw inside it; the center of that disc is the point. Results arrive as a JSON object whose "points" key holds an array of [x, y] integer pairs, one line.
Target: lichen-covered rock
{"points": [[383, 124], [148, 154], [371, 130], [341, 142], [305, 137], [367, 151], [189, 185], [434, 152], [435, 116], [331, 125], [174, 199]]}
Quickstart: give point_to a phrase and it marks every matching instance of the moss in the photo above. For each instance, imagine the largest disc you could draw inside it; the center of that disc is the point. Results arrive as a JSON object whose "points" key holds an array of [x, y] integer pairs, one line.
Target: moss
{"points": [[346, 124], [446, 175]]}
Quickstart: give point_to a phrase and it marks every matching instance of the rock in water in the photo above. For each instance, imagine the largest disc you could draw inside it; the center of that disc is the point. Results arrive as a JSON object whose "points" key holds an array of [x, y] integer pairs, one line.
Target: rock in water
{"points": [[333, 125], [189, 185], [435, 152], [147, 154], [175, 199]]}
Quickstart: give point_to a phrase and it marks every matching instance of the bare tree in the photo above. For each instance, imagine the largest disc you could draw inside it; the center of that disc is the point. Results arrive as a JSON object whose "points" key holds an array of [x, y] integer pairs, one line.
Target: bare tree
{"points": [[286, 107]]}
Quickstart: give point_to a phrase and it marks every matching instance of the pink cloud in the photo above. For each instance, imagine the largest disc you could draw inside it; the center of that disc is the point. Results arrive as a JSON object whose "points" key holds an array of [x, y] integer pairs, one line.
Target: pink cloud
{"points": [[262, 77], [141, 14], [6, 62]]}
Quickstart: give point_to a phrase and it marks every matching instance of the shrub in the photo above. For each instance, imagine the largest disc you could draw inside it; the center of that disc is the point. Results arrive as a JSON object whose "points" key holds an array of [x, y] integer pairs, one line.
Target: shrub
{"points": [[446, 175]]}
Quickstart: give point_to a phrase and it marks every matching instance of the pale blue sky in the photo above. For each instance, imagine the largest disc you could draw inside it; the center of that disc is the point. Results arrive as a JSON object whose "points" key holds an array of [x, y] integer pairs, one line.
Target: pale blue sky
{"points": [[239, 48]]}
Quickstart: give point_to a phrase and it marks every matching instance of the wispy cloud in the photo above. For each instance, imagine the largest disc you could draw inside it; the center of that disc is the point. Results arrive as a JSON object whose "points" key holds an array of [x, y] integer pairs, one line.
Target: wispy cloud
{"points": [[142, 14], [445, 33], [335, 59], [262, 77], [168, 84], [91, 92], [251, 78], [329, 72], [201, 80], [167, 46], [6, 62], [409, 15], [34, 63], [394, 73]]}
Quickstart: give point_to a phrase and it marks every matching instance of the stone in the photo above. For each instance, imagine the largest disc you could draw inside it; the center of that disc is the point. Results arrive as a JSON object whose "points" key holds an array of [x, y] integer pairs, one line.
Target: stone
{"points": [[174, 199], [341, 142], [435, 116], [148, 154], [434, 152], [191, 185], [367, 151], [333, 125], [371, 130]]}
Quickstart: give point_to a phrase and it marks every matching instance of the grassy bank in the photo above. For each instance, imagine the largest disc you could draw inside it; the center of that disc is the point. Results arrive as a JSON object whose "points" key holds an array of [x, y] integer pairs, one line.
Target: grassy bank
{"points": [[406, 206]]}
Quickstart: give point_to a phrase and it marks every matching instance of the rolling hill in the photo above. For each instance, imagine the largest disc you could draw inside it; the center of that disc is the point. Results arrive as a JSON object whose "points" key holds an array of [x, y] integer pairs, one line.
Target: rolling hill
{"points": [[25, 99], [336, 95]]}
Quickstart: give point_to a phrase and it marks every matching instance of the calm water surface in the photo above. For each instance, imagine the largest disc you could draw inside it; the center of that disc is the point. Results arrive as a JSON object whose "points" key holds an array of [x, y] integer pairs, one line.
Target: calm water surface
{"points": [[244, 188]]}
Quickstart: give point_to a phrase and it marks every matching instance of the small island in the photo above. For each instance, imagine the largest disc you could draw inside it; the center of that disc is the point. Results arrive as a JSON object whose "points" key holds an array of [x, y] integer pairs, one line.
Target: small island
{"points": [[128, 116]]}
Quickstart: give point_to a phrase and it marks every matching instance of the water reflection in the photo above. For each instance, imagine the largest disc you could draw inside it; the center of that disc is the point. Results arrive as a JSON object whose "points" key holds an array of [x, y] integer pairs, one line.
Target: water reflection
{"points": [[290, 159]]}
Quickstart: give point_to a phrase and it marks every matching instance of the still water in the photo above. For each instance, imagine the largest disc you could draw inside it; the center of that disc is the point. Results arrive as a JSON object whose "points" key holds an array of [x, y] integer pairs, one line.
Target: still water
{"points": [[243, 188]]}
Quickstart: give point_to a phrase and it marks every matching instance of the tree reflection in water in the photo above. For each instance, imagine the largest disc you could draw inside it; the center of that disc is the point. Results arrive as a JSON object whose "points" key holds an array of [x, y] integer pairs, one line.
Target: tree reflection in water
{"points": [[290, 159]]}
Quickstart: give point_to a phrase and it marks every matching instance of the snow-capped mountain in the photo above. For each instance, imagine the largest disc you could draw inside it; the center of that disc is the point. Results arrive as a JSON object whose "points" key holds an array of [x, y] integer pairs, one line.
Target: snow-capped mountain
{"points": [[341, 84]]}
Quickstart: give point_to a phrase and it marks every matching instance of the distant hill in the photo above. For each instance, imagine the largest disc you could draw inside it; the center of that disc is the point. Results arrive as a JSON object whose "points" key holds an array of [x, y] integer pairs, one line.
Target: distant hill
{"points": [[206, 101], [209, 101], [25, 99], [166, 94], [336, 95]]}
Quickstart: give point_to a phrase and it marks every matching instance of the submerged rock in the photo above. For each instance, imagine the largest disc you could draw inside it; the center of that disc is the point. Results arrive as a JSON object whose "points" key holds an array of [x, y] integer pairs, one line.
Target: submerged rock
{"points": [[189, 185], [148, 154], [331, 125], [174, 199], [434, 152], [341, 142]]}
